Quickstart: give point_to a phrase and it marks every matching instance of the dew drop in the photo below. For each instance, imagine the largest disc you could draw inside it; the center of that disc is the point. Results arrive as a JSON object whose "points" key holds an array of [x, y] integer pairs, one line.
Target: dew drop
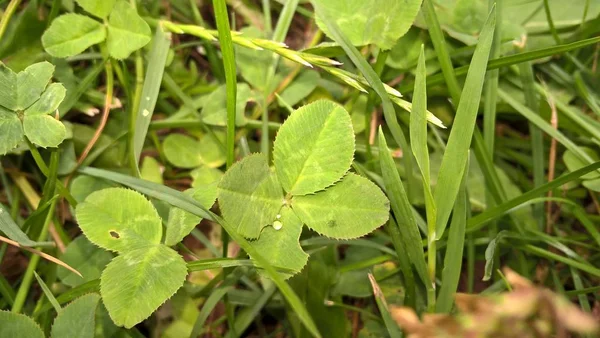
{"points": [[145, 112], [278, 216], [277, 225]]}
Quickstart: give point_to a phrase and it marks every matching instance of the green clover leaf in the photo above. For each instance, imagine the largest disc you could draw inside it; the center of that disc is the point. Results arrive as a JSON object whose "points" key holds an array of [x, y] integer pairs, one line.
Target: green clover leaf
{"points": [[145, 273], [380, 22], [250, 195], [18, 325], [124, 31], [313, 152], [26, 102], [314, 147], [186, 152]]}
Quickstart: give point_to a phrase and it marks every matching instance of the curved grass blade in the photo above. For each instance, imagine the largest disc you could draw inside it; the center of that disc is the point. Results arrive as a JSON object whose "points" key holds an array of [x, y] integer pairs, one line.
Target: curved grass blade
{"points": [[156, 67], [457, 149], [47, 292], [545, 126], [510, 60], [390, 324], [219, 263], [477, 222], [410, 237], [454, 251]]}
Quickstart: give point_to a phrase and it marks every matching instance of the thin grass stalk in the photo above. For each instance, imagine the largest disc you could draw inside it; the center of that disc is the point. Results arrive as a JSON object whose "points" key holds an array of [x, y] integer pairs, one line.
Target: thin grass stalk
{"points": [[8, 13], [537, 138]]}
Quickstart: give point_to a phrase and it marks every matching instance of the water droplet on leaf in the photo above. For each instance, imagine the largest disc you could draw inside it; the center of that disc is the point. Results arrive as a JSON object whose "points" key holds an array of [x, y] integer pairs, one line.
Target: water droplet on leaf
{"points": [[277, 225]]}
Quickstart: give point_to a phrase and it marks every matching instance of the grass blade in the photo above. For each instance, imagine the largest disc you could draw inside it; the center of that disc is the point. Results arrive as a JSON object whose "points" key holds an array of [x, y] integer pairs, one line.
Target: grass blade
{"points": [[212, 301], [592, 270], [418, 138], [156, 67], [545, 126], [390, 324], [454, 251], [219, 263], [187, 203], [222, 19], [439, 43], [506, 61], [537, 139], [402, 210], [47, 292], [83, 86], [477, 222], [457, 149]]}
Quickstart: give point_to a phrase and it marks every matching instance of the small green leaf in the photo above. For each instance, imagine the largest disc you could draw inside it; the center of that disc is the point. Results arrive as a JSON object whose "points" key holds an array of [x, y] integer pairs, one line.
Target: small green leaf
{"points": [[44, 130], [573, 162], [204, 176], [137, 282], [18, 325], [49, 101], [281, 247], [314, 147], [99, 8], [186, 152], [250, 195], [70, 34], [151, 170], [127, 31], [78, 319], [19, 91], [8, 88], [182, 151], [302, 86], [380, 22], [11, 229], [11, 131], [214, 111], [84, 257], [351, 208], [83, 185], [31, 82], [211, 150], [119, 220], [40, 128], [180, 222]]}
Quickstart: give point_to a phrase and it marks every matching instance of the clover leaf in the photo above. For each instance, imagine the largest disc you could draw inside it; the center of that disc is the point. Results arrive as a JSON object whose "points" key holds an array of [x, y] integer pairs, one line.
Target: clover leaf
{"points": [[78, 319], [145, 273], [26, 102], [186, 152], [381, 22], [74, 320], [313, 152], [250, 195], [124, 31], [314, 147], [18, 325]]}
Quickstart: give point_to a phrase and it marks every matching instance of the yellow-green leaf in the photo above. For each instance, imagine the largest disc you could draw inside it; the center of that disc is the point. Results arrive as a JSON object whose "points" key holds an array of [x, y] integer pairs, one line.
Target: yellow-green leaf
{"points": [[314, 147], [351, 208], [119, 220]]}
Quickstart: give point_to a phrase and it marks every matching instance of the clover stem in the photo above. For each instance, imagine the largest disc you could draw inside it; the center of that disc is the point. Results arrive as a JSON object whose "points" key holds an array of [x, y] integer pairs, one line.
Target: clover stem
{"points": [[107, 105], [10, 10]]}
